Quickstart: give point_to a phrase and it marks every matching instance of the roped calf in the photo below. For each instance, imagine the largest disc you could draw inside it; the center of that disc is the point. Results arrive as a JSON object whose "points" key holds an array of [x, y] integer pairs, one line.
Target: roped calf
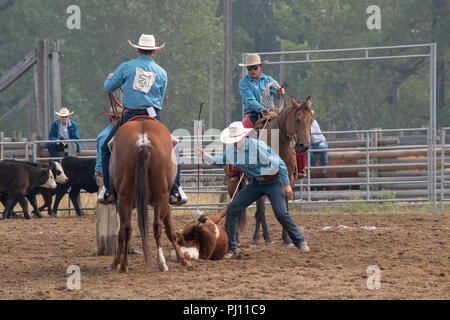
{"points": [[18, 178], [204, 239]]}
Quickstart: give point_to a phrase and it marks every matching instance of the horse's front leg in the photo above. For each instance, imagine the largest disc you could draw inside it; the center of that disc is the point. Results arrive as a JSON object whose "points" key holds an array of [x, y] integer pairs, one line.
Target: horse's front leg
{"points": [[260, 218], [170, 232], [287, 242]]}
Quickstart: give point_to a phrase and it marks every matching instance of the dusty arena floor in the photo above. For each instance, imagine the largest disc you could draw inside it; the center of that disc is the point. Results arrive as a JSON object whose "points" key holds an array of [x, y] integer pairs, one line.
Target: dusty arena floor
{"points": [[411, 250]]}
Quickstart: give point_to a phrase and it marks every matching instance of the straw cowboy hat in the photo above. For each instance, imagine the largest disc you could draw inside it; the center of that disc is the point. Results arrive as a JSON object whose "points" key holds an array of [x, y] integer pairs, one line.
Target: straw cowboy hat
{"points": [[146, 42], [234, 132], [252, 59], [64, 112]]}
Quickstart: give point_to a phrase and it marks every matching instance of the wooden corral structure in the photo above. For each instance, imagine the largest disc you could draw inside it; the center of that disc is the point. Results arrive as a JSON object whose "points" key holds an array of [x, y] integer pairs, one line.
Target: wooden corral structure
{"points": [[47, 95]]}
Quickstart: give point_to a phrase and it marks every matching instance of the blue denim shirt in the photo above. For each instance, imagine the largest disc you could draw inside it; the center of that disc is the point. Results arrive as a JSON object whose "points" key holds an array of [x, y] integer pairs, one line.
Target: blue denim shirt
{"points": [[125, 76], [255, 159], [251, 91], [72, 130], [100, 140]]}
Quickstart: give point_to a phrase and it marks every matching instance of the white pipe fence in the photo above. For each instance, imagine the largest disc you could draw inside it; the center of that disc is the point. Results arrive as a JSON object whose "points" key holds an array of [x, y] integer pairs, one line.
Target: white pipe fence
{"points": [[369, 174]]}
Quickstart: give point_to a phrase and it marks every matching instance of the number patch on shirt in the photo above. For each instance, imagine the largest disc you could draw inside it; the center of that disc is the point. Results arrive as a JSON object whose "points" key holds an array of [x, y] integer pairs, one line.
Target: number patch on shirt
{"points": [[143, 80]]}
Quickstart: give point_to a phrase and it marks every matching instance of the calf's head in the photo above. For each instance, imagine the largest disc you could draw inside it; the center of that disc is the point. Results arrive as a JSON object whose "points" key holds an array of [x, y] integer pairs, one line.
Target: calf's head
{"points": [[47, 180]]}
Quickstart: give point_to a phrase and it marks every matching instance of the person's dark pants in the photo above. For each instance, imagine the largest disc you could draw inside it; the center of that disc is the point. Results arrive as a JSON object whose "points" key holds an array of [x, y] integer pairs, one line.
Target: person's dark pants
{"points": [[273, 189], [106, 153], [54, 148]]}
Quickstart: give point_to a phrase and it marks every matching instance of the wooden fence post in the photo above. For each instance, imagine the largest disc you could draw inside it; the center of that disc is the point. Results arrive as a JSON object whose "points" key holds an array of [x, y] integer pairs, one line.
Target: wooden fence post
{"points": [[56, 77], [107, 226], [41, 79], [2, 135]]}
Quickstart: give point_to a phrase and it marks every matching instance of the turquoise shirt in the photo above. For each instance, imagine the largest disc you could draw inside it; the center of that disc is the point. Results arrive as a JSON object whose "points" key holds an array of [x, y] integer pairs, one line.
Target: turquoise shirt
{"points": [[255, 159], [125, 76], [101, 138], [251, 92]]}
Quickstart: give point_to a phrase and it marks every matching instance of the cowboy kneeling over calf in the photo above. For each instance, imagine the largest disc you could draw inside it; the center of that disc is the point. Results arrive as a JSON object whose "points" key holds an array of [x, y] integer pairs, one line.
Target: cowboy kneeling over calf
{"points": [[268, 176]]}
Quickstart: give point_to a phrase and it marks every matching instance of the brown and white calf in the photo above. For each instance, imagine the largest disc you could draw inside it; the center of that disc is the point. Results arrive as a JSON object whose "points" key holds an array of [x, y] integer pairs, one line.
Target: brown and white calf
{"points": [[204, 239]]}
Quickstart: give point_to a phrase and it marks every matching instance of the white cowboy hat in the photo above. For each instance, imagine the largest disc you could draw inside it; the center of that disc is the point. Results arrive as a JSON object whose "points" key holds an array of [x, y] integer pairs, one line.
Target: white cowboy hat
{"points": [[234, 132], [64, 112], [252, 59], [146, 42]]}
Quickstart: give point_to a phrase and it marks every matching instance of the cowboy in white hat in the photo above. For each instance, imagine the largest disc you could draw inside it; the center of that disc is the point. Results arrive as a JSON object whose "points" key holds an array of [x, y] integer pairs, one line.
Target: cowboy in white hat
{"points": [[144, 86], [63, 129], [268, 176]]}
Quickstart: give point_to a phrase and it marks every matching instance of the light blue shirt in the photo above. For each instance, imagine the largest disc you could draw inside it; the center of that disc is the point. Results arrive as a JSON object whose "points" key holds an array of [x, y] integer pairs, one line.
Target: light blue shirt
{"points": [[125, 76], [101, 138], [251, 92], [255, 159]]}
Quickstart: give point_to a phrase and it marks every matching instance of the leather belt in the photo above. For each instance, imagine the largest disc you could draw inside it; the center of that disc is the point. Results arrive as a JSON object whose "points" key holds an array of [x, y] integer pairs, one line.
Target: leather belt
{"points": [[137, 111], [265, 178]]}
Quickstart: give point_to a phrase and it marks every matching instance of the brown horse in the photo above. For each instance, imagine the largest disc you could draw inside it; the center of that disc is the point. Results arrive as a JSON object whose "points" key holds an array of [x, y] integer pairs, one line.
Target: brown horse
{"points": [[143, 170], [293, 124]]}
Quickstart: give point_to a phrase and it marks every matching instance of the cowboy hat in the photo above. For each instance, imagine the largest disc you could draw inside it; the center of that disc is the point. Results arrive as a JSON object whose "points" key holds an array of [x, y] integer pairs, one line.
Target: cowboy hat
{"points": [[252, 59], [64, 112], [146, 42], [234, 132]]}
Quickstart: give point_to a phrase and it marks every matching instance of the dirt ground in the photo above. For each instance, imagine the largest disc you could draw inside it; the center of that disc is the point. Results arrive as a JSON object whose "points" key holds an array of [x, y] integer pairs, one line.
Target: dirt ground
{"points": [[412, 251]]}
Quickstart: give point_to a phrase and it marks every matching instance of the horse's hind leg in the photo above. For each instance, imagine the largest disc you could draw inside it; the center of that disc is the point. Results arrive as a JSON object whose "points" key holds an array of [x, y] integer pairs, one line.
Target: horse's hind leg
{"points": [[126, 230], [161, 209], [121, 257], [170, 232]]}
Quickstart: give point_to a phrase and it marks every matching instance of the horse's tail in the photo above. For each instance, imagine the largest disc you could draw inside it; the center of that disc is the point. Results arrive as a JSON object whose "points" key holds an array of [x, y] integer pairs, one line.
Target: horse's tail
{"points": [[142, 154]]}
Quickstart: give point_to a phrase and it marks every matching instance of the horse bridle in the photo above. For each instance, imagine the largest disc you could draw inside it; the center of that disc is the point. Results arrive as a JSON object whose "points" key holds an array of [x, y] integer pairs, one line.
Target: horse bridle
{"points": [[115, 103]]}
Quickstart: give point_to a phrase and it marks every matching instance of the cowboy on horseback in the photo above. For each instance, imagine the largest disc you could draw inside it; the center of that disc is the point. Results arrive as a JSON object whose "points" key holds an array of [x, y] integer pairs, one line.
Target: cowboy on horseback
{"points": [[144, 86], [251, 87], [268, 176]]}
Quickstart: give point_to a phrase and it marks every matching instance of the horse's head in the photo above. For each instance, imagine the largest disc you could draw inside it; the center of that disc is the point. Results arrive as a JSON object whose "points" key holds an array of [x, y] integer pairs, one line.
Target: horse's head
{"points": [[298, 123]]}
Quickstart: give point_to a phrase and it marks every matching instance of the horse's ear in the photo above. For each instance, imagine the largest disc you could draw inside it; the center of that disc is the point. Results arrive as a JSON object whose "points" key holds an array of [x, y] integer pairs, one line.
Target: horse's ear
{"points": [[308, 102], [294, 102]]}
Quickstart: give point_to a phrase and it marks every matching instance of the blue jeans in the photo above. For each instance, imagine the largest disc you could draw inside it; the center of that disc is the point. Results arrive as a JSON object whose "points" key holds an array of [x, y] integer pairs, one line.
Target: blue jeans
{"points": [[106, 153], [273, 189], [323, 154]]}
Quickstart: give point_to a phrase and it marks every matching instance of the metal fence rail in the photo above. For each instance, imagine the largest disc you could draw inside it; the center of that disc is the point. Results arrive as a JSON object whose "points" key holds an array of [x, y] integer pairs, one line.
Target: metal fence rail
{"points": [[368, 174]]}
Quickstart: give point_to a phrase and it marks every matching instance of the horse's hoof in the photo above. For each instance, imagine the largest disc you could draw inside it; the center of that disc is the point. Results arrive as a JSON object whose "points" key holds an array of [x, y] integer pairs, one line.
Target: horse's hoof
{"points": [[163, 268], [186, 263], [112, 267], [123, 270], [254, 244]]}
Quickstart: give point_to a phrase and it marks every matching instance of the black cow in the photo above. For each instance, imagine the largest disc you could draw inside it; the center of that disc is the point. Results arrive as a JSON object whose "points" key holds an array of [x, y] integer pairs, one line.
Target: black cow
{"points": [[18, 178], [81, 176]]}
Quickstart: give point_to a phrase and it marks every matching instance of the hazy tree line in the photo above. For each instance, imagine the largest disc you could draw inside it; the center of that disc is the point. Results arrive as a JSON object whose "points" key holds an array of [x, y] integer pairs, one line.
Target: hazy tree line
{"points": [[346, 95]]}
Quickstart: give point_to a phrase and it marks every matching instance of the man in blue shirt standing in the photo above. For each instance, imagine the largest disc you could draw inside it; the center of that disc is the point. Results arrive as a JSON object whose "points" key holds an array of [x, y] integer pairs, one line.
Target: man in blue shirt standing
{"points": [[62, 129], [144, 86], [267, 175]]}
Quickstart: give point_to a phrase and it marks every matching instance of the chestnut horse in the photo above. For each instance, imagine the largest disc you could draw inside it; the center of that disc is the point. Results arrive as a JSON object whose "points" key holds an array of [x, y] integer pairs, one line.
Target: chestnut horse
{"points": [[293, 124], [143, 169]]}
